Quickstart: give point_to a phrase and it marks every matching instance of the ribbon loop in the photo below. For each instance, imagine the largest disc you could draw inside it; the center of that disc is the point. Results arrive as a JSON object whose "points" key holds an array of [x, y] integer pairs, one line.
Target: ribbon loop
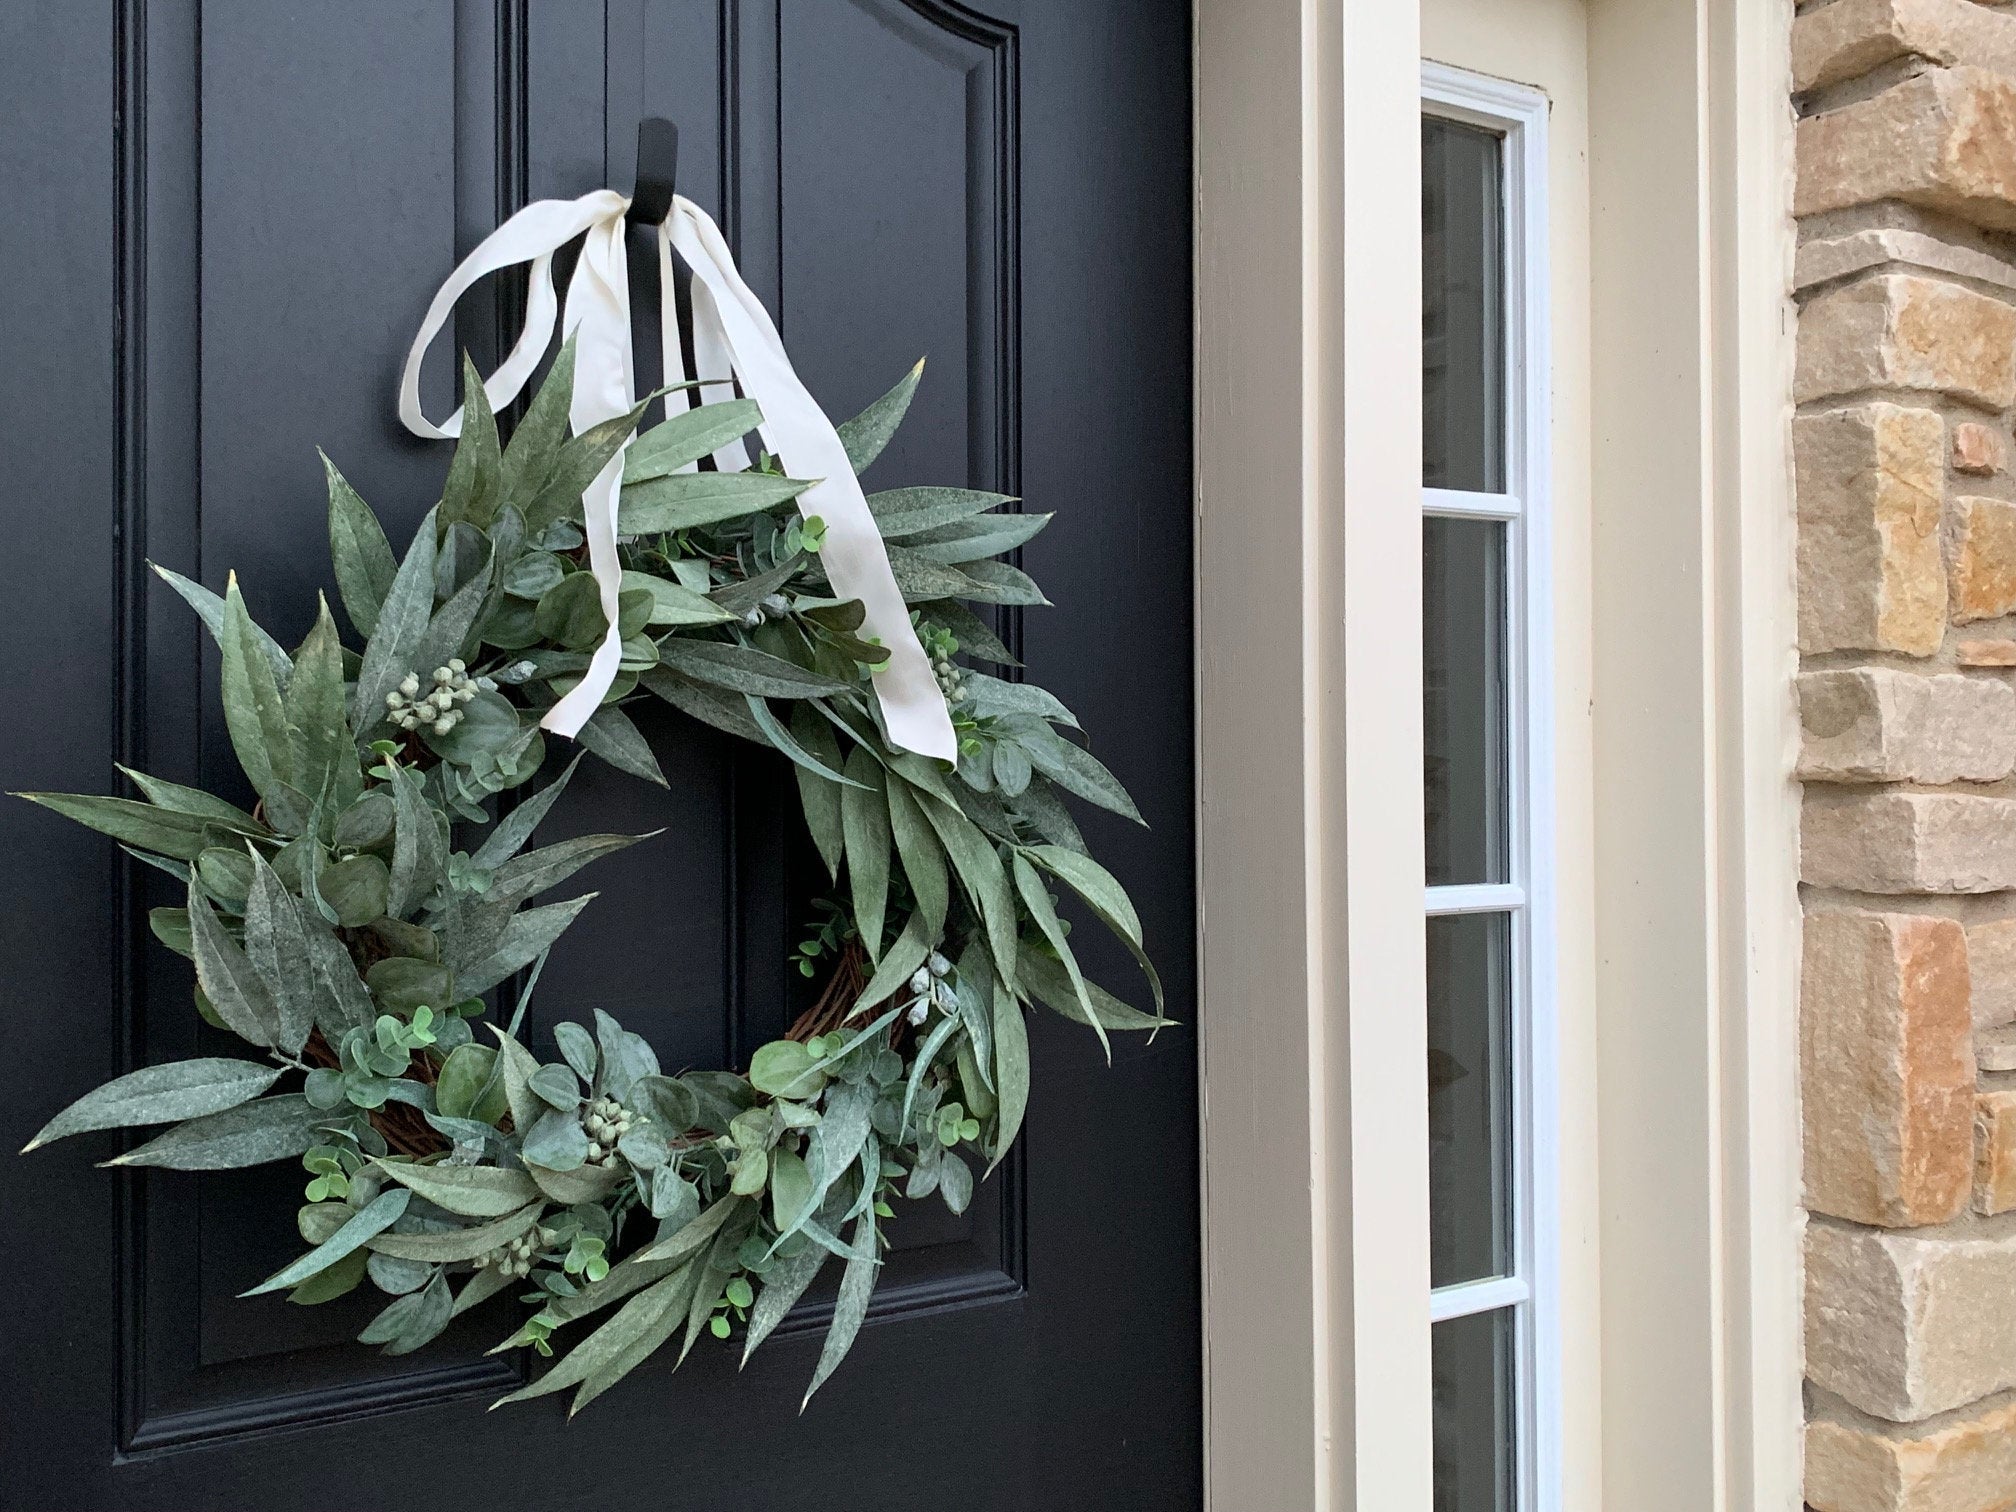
{"points": [[733, 339]]}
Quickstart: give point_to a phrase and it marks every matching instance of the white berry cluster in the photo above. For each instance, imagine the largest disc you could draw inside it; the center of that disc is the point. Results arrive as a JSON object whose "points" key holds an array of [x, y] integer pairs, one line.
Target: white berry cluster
{"points": [[440, 708], [513, 1258], [608, 1121], [929, 986], [951, 681]]}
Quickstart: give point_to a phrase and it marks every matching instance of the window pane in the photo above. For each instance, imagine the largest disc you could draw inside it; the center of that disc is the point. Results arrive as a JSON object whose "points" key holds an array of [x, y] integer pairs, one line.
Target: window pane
{"points": [[1462, 335], [1473, 1413], [1463, 613], [1469, 1100]]}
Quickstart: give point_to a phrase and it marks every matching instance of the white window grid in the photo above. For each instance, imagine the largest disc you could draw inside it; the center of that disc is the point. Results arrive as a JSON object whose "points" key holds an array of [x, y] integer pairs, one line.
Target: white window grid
{"points": [[1517, 114]]}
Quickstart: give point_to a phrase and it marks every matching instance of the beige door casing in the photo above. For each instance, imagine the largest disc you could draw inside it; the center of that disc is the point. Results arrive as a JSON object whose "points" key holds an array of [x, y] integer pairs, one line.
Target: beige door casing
{"points": [[1680, 1151]]}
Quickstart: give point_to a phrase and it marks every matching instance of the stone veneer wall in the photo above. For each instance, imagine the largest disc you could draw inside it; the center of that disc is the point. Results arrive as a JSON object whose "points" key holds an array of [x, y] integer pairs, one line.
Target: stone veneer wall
{"points": [[1905, 380]]}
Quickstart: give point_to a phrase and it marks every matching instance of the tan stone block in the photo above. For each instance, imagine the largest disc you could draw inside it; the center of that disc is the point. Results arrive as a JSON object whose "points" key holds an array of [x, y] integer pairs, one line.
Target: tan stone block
{"points": [[1984, 559], [1890, 842], [1977, 448], [1967, 1465], [1850, 37], [1908, 1325], [1871, 484], [1995, 1049], [1874, 724], [1899, 331], [1991, 968], [1887, 1067], [1944, 139], [1986, 653], [1995, 1152]]}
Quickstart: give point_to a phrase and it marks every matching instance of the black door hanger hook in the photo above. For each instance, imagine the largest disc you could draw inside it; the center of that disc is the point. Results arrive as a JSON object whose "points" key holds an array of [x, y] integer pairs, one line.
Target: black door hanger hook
{"points": [[657, 171]]}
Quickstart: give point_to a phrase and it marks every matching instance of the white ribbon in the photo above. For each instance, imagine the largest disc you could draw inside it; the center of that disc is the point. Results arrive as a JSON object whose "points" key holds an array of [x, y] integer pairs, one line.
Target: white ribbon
{"points": [[733, 337]]}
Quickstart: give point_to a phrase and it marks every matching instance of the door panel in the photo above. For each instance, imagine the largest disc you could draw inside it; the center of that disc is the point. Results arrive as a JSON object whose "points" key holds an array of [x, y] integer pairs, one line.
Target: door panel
{"points": [[196, 300]]}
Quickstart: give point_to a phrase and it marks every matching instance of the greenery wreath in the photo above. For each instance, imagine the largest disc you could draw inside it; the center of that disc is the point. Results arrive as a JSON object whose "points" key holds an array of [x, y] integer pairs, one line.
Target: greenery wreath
{"points": [[337, 928]]}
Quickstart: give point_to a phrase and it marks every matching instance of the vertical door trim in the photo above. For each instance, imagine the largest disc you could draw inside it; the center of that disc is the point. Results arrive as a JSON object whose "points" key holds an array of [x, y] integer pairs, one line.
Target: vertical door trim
{"points": [[1309, 472]]}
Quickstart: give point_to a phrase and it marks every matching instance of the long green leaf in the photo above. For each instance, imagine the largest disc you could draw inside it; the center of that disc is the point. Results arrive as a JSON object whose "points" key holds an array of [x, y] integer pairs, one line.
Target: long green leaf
{"points": [[899, 963], [787, 1279], [276, 942], [742, 669], [1047, 982], [976, 539], [864, 815], [196, 802], [904, 511], [183, 836], [324, 755], [253, 712], [471, 491], [377, 1215], [819, 797], [453, 1245], [610, 734], [682, 501], [535, 445], [868, 432], [529, 874], [210, 609], [786, 742], [688, 435], [728, 712], [419, 850], [634, 1351], [923, 857], [228, 978], [981, 874], [253, 1133], [1108, 900], [580, 461], [993, 695], [674, 604], [857, 1285], [402, 620], [1036, 898], [525, 938], [160, 1094], [927, 1055], [1011, 1069], [689, 1239], [511, 832], [363, 558], [652, 1314], [1077, 770], [470, 1191], [844, 1126]]}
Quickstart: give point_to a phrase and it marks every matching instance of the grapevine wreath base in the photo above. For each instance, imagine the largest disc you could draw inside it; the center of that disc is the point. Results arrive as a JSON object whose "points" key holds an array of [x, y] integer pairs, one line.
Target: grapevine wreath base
{"points": [[338, 928]]}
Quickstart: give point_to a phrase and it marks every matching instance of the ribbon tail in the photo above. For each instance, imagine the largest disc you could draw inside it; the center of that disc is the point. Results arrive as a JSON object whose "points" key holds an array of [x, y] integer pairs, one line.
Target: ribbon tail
{"points": [[798, 431], [598, 314]]}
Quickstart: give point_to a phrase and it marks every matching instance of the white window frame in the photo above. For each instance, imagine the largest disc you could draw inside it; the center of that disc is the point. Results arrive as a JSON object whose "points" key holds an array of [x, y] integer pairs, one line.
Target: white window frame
{"points": [[1517, 114]]}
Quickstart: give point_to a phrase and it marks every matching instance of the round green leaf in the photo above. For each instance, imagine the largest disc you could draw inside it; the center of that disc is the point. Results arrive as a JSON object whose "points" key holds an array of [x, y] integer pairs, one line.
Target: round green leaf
{"points": [[356, 889], [570, 613]]}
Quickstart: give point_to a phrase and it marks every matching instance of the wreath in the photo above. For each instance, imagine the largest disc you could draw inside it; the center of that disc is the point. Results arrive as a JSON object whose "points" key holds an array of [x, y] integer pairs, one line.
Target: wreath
{"points": [[355, 924]]}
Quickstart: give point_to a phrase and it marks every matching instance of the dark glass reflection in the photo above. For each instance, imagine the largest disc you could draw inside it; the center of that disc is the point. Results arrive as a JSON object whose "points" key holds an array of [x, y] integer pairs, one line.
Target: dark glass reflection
{"points": [[1474, 1413], [1469, 1096], [1462, 320], [1463, 613]]}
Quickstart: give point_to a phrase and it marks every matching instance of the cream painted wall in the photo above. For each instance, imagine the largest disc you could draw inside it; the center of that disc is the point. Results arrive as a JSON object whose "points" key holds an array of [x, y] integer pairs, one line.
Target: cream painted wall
{"points": [[1544, 44]]}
